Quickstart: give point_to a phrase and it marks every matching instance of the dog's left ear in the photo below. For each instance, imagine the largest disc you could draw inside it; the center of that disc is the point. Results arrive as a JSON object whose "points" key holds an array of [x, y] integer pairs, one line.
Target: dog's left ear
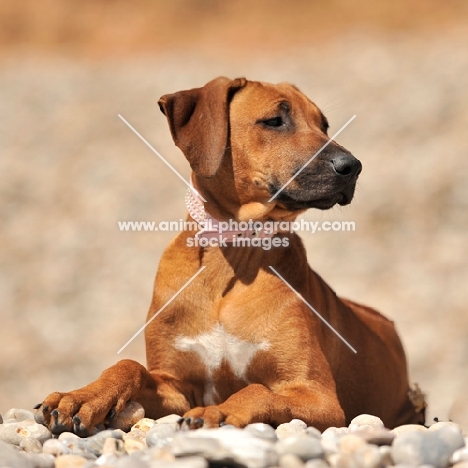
{"points": [[199, 122]]}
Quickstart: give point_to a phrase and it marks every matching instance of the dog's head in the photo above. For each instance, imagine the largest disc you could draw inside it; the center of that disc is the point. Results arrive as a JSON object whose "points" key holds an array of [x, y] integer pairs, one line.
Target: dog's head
{"points": [[248, 142]]}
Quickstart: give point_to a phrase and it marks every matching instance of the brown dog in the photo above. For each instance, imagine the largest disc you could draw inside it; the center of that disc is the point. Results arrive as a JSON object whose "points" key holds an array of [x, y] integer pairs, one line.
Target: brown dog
{"points": [[238, 345]]}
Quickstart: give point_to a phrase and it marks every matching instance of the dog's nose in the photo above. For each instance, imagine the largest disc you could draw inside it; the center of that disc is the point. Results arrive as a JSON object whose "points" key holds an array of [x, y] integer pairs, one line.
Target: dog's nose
{"points": [[346, 165]]}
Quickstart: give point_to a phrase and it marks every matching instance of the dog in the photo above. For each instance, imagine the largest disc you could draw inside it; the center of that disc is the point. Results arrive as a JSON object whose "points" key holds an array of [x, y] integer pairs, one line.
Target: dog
{"points": [[241, 343]]}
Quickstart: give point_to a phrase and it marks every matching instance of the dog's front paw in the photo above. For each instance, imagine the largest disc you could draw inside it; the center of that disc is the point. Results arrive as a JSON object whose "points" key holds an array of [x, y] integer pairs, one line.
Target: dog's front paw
{"points": [[209, 416], [78, 411]]}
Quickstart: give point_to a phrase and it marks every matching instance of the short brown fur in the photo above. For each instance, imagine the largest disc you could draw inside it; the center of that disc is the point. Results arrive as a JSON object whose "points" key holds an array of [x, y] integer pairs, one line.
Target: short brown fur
{"points": [[239, 161]]}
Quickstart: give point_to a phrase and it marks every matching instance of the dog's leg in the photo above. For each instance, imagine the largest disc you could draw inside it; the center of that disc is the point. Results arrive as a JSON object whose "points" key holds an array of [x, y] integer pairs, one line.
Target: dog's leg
{"points": [[80, 410], [315, 404]]}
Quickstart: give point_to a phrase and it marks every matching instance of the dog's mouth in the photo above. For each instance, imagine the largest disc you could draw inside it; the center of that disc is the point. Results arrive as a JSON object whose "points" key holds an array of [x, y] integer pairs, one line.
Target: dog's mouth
{"points": [[295, 202]]}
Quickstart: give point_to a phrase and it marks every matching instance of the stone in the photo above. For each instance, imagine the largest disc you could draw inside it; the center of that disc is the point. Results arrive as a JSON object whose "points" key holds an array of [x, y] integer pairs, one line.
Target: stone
{"points": [[444, 424], [184, 445], [385, 455], [290, 460], [144, 424], [226, 446], [133, 445], [55, 447], [160, 435], [130, 415], [29, 445], [316, 463], [342, 460], [12, 458], [113, 446], [349, 443], [303, 446], [169, 419], [334, 432], [290, 429], [299, 423], [18, 414], [460, 455], [461, 465], [136, 434], [376, 436], [132, 462], [408, 428], [41, 460], [365, 420], [262, 431], [313, 432], [14, 432], [430, 447], [368, 456], [95, 443], [70, 461], [67, 435]]}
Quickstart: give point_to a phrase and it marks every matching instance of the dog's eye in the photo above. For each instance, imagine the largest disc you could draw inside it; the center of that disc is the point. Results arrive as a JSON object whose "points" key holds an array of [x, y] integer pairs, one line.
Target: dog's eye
{"points": [[275, 122]]}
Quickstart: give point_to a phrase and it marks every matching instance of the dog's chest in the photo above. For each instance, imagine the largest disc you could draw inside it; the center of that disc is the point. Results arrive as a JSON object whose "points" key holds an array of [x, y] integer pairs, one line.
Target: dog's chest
{"points": [[217, 347]]}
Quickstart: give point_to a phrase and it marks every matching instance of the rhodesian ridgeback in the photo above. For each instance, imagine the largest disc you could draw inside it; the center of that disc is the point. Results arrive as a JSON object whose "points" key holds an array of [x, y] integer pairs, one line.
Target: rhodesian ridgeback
{"points": [[241, 342]]}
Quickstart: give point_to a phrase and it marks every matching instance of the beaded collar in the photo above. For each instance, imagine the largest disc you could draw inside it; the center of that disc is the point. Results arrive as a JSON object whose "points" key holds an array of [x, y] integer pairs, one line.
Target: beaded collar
{"points": [[210, 226]]}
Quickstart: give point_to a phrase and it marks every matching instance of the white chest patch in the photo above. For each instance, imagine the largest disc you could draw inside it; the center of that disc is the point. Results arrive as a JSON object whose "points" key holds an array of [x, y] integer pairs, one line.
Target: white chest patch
{"points": [[217, 346]]}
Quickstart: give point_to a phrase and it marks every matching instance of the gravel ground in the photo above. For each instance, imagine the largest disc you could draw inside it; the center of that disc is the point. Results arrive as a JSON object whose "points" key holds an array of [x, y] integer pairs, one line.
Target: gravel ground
{"points": [[73, 289], [163, 443]]}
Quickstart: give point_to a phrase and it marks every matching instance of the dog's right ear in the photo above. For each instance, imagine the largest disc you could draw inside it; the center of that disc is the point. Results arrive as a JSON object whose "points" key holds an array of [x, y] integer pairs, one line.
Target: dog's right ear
{"points": [[199, 122]]}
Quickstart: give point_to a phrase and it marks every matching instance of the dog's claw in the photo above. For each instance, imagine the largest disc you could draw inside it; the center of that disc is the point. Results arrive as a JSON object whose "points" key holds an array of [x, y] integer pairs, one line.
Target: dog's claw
{"points": [[37, 406], [45, 409], [54, 413], [199, 422], [76, 420]]}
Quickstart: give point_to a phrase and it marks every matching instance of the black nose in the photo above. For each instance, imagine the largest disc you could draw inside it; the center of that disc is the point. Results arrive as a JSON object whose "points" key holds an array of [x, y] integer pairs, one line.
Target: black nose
{"points": [[346, 165]]}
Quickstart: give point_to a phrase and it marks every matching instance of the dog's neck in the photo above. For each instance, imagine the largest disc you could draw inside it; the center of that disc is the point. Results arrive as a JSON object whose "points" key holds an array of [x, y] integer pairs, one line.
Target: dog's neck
{"points": [[211, 227]]}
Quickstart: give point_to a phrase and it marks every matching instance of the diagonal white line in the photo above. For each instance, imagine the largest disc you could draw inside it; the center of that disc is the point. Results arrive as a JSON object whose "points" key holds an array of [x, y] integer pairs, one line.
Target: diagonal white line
{"points": [[312, 158], [312, 309], [189, 185], [161, 309]]}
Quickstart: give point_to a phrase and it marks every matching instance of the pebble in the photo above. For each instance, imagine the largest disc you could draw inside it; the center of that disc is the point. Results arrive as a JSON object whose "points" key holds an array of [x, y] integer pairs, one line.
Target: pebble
{"points": [[434, 447], [70, 461], [408, 428], [41, 460], [349, 443], [316, 463], [290, 461], [365, 420], [262, 431], [170, 419], [386, 455], [368, 456], [160, 443], [160, 435], [376, 436], [130, 415], [17, 414], [293, 428], [303, 446], [460, 455], [29, 445], [144, 425], [15, 432]]}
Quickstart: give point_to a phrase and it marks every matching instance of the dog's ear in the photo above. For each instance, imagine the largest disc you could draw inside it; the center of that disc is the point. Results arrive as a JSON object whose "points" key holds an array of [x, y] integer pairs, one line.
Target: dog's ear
{"points": [[199, 122]]}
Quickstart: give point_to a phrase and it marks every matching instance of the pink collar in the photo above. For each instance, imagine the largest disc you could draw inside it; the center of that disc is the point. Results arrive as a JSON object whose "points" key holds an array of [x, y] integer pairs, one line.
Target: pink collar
{"points": [[211, 227]]}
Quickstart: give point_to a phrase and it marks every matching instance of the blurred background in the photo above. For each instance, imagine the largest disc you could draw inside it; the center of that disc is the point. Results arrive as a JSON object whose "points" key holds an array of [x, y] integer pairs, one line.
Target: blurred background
{"points": [[73, 289]]}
